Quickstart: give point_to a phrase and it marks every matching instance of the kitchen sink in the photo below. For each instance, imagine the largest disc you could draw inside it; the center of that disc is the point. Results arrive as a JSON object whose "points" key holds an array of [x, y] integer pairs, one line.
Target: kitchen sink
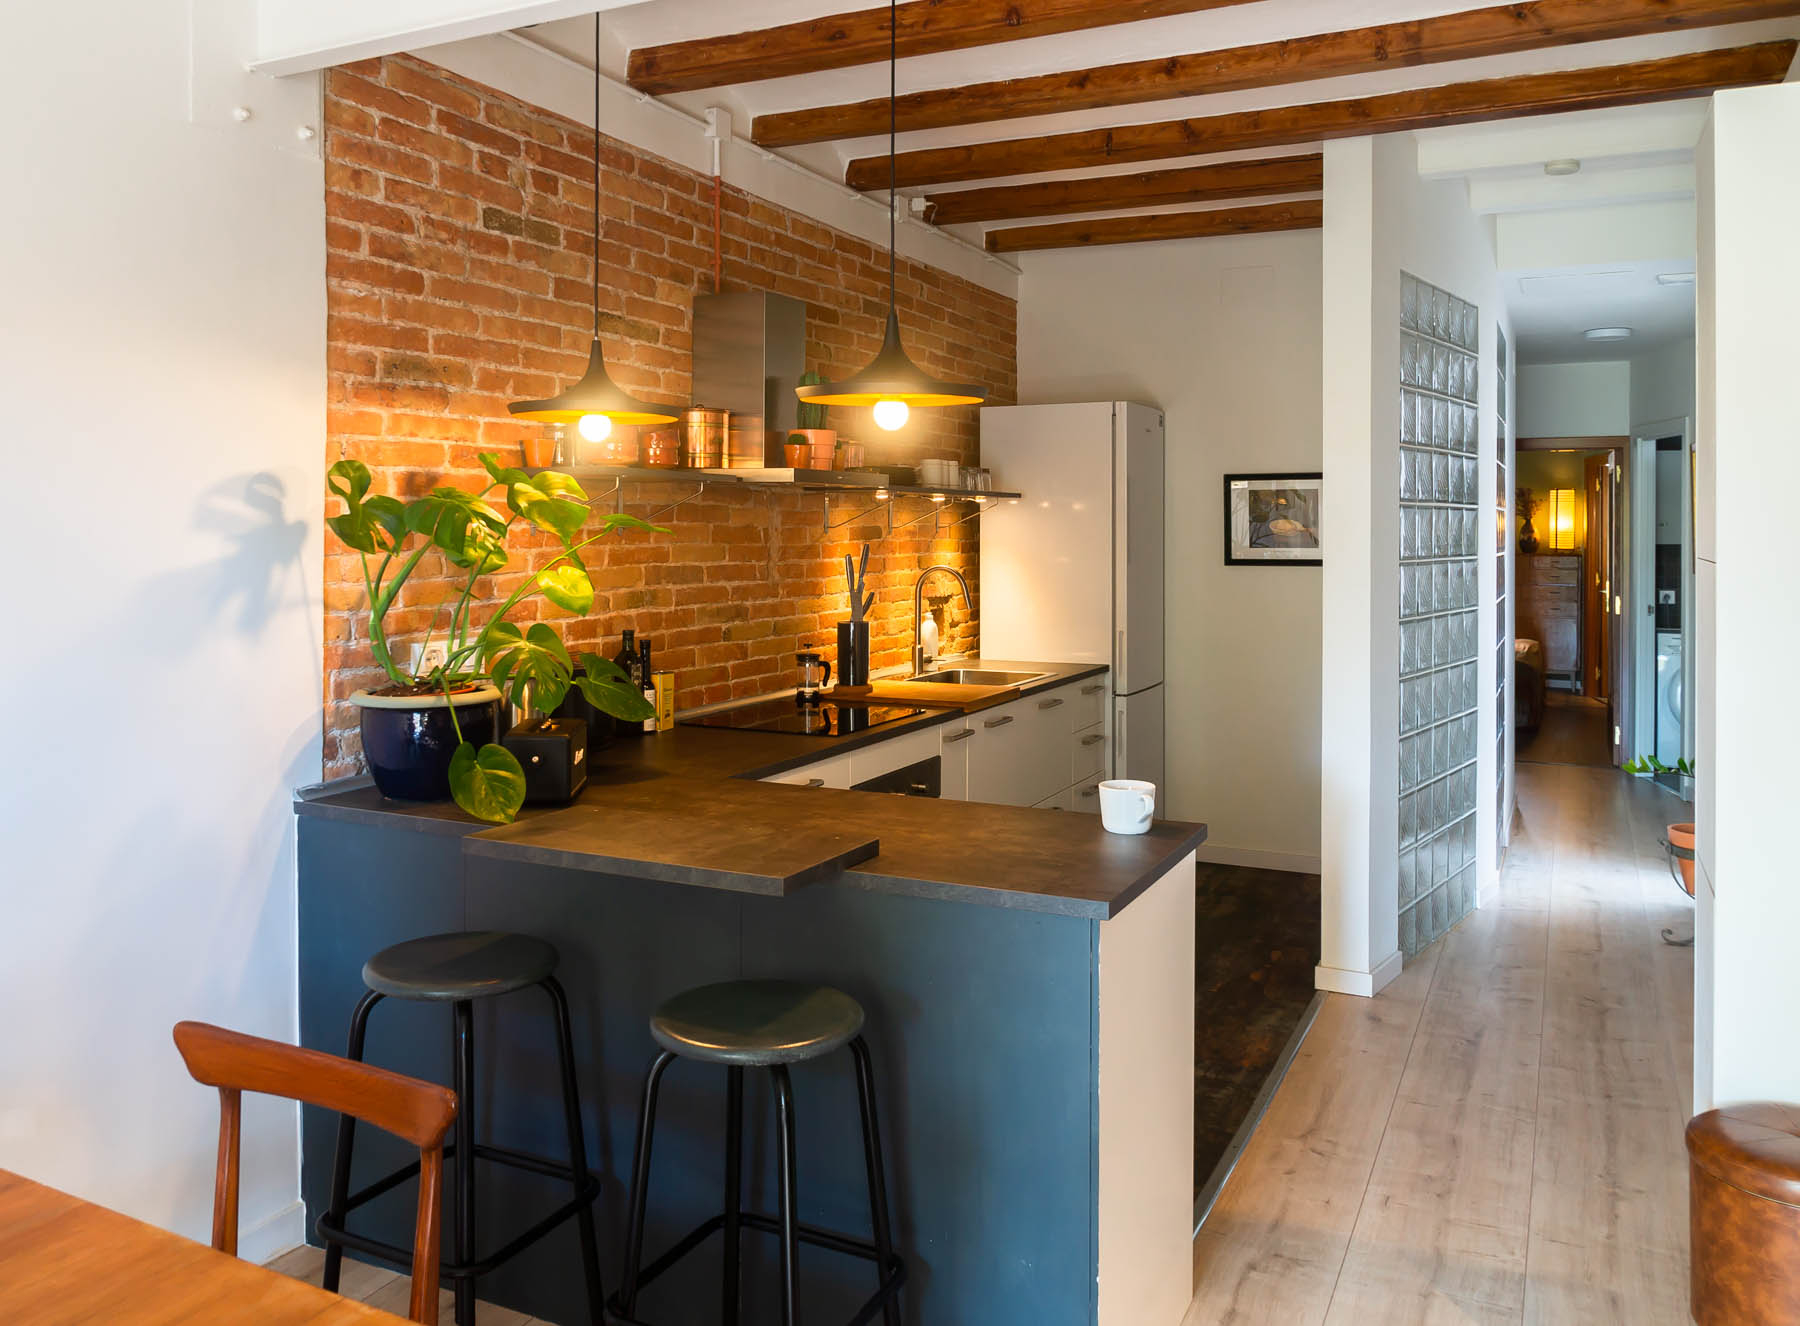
{"points": [[978, 677]]}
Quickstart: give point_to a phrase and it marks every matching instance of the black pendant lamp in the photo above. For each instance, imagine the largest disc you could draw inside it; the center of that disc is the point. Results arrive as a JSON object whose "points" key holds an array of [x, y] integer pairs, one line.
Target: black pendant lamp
{"points": [[892, 383], [595, 403]]}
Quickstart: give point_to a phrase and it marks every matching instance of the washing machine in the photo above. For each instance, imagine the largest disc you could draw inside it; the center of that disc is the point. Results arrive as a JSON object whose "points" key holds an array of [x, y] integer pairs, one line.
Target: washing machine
{"points": [[1668, 697]]}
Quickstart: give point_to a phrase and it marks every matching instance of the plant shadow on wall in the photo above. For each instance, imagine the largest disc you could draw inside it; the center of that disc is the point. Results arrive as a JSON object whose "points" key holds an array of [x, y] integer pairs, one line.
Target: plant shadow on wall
{"points": [[434, 732]]}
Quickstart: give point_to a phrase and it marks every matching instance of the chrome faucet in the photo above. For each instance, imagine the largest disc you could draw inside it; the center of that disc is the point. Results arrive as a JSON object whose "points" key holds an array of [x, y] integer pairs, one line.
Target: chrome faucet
{"points": [[918, 653]]}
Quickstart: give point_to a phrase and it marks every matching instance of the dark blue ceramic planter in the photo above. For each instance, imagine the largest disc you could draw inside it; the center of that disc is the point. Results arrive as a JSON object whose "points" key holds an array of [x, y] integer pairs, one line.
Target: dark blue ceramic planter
{"points": [[408, 748]]}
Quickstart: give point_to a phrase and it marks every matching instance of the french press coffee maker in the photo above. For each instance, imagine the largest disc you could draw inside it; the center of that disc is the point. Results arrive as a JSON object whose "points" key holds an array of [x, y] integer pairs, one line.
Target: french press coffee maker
{"points": [[814, 675]]}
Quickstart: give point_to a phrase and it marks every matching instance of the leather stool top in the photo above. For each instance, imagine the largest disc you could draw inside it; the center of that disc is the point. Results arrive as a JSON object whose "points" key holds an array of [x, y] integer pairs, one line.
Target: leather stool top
{"points": [[753, 1024], [1754, 1146], [468, 964]]}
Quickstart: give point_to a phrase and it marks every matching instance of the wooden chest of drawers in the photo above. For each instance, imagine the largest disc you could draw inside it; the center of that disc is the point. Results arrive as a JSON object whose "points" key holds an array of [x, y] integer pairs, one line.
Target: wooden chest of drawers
{"points": [[1549, 610]]}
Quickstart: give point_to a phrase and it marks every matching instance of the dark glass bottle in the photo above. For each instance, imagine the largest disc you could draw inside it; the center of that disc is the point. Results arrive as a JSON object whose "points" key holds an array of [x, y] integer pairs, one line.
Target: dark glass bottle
{"points": [[646, 680], [627, 657]]}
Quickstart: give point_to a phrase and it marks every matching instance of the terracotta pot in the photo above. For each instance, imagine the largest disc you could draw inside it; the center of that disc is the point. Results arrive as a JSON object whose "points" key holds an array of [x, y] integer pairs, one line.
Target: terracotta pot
{"points": [[822, 445], [540, 452], [796, 453], [1681, 849]]}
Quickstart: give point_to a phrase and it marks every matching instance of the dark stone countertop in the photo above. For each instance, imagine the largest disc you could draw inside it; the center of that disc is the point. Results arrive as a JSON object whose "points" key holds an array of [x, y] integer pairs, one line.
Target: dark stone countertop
{"points": [[684, 807]]}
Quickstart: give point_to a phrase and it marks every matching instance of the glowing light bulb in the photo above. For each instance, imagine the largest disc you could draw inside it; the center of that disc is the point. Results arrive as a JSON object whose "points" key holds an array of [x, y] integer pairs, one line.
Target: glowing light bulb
{"points": [[594, 427], [891, 414]]}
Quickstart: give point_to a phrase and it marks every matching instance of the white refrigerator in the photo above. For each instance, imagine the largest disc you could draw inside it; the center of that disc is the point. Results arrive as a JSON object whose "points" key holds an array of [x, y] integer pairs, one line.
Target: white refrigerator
{"points": [[1073, 573]]}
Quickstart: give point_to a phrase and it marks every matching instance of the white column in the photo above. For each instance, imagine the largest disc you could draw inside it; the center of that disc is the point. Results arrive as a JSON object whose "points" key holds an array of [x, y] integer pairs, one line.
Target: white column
{"points": [[1747, 987], [1358, 755]]}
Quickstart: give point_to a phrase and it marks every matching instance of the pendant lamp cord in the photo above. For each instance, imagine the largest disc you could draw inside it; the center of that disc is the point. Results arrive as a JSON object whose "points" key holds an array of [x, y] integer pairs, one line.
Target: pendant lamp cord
{"points": [[596, 265], [893, 131]]}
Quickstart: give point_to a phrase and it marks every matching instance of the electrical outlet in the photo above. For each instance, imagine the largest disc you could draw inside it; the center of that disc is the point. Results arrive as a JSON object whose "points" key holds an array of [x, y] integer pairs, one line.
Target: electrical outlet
{"points": [[1666, 596], [427, 657]]}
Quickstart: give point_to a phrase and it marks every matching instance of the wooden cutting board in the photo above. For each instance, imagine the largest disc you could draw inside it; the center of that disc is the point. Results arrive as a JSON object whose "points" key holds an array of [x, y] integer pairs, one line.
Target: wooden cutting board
{"points": [[933, 695]]}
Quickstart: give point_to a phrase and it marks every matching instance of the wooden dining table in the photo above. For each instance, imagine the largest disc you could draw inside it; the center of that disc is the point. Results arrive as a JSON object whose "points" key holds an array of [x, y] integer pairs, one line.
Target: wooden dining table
{"points": [[65, 1260]]}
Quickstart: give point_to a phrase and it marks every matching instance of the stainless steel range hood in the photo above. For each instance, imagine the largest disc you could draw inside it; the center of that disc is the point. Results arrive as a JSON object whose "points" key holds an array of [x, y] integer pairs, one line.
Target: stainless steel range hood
{"points": [[749, 353]]}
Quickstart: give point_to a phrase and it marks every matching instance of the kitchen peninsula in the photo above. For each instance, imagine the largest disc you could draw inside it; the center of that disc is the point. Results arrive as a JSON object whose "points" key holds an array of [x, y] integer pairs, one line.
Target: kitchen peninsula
{"points": [[1028, 979]]}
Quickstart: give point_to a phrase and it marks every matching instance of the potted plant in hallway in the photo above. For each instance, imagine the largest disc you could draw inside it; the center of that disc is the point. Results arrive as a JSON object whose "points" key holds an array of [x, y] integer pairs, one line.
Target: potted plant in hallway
{"points": [[434, 732], [1528, 505]]}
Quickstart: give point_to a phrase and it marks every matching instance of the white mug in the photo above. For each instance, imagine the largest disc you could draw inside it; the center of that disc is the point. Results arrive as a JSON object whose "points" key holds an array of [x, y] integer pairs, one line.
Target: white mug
{"points": [[1127, 805]]}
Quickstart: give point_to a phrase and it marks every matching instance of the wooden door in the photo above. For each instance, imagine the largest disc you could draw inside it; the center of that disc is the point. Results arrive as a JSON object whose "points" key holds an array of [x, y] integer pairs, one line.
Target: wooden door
{"points": [[1597, 619]]}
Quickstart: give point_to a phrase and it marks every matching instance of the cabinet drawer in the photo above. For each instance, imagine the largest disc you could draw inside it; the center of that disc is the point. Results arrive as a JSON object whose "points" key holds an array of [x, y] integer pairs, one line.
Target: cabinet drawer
{"points": [[1541, 570], [997, 757], [894, 753], [1060, 801], [1084, 798], [824, 773], [953, 755], [1087, 702], [1088, 753]]}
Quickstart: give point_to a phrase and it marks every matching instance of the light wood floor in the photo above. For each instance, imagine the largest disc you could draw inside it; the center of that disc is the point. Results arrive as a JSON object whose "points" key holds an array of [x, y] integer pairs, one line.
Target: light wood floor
{"points": [[388, 1290], [1497, 1137]]}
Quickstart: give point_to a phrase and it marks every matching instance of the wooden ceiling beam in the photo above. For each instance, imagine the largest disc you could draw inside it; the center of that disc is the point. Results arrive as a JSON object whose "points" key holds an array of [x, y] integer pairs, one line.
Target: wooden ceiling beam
{"points": [[1306, 215], [839, 41], [1472, 34], [1679, 76], [1260, 177]]}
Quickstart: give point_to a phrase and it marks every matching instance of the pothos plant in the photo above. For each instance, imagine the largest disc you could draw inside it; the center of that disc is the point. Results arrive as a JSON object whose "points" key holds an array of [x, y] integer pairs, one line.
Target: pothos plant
{"points": [[532, 668]]}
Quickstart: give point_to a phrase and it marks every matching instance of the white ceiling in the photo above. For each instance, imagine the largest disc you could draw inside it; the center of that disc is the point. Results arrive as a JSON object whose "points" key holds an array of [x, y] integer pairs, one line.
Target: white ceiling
{"points": [[1552, 307]]}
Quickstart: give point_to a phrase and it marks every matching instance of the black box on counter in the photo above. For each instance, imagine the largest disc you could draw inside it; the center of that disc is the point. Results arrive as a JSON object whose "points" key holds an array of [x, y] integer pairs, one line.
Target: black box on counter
{"points": [[553, 752]]}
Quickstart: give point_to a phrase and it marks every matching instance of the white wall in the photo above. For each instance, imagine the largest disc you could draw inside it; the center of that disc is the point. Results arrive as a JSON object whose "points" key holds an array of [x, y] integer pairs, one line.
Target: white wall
{"points": [[1747, 982], [1662, 384], [163, 351], [1575, 400], [1382, 219], [1224, 335]]}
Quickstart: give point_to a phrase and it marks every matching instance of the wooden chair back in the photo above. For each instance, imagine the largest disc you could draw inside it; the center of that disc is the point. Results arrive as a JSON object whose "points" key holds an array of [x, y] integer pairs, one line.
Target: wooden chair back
{"points": [[415, 1111]]}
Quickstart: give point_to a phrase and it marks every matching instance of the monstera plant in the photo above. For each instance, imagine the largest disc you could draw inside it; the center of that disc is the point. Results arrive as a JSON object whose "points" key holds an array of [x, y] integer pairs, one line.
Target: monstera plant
{"points": [[531, 667]]}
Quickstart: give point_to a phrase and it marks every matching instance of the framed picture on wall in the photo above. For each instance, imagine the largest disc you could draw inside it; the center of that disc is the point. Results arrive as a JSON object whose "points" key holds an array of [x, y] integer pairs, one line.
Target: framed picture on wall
{"points": [[1272, 520]]}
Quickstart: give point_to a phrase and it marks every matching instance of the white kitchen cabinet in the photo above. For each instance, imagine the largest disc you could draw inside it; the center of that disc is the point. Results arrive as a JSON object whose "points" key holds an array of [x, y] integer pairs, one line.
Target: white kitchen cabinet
{"points": [[953, 754], [998, 752], [883, 757], [1088, 753], [1061, 801], [1087, 702], [834, 772], [1084, 797]]}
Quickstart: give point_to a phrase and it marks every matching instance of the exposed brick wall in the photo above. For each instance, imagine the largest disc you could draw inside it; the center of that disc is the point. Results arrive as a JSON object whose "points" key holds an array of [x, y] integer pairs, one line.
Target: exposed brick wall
{"points": [[459, 242]]}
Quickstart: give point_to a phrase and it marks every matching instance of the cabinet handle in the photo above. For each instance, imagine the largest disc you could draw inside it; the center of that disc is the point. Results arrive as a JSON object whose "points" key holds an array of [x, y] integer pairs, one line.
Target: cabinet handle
{"points": [[1097, 737], [1095, 689], [964, 735], [1048, 704], [815, 782], [998, 722], [1090, 791]]}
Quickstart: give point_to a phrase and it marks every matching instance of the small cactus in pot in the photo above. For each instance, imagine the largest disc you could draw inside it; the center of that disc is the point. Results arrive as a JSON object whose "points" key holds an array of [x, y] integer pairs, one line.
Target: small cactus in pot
{"points": [[810, 420]]}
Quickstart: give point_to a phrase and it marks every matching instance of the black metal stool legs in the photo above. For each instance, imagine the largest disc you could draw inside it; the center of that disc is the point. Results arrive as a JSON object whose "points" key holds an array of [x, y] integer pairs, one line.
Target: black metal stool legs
{"points": [[462, 1265], [734, 1196], [785, 1224], [886, 1263], [584, 1215], [640, 1186], [463, 1193], [340, 1162], [790, 1218]]}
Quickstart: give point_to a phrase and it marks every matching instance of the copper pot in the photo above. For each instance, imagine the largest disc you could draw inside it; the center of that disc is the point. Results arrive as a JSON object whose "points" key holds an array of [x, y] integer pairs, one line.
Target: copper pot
{"points": [[706, 429], [662, 448]]}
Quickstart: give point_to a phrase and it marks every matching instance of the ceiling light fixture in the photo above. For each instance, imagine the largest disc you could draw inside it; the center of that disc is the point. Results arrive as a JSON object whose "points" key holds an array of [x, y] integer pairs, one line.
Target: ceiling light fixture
{"points": [[595, 403], [892, 383], [1608, 333], [1562, 166]]}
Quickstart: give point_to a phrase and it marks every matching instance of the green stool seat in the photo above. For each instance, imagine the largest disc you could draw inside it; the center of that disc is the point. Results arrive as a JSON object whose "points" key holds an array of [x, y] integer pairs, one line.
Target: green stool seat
{"points": [[468, 964], [756, 1024]]}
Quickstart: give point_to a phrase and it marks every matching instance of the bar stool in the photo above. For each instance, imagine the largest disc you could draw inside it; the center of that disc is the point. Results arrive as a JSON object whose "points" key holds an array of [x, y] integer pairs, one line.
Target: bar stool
{"points": [[762, 1024], [458, 969]]}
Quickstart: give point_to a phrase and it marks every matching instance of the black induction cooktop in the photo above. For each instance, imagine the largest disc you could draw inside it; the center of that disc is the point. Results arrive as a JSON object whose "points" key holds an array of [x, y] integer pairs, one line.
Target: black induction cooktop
{"points": [[825, 719]]}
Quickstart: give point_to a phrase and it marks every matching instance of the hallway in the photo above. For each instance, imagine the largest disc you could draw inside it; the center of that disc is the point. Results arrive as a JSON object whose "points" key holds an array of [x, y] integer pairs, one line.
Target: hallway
{"points": [[1573, 731], [1497, 1137]]}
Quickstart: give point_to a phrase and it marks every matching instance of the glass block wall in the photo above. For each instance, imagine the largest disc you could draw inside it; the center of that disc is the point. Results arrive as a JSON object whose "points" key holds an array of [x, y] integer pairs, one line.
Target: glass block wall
{"points": [[1502, 623], [1440, 533]]}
